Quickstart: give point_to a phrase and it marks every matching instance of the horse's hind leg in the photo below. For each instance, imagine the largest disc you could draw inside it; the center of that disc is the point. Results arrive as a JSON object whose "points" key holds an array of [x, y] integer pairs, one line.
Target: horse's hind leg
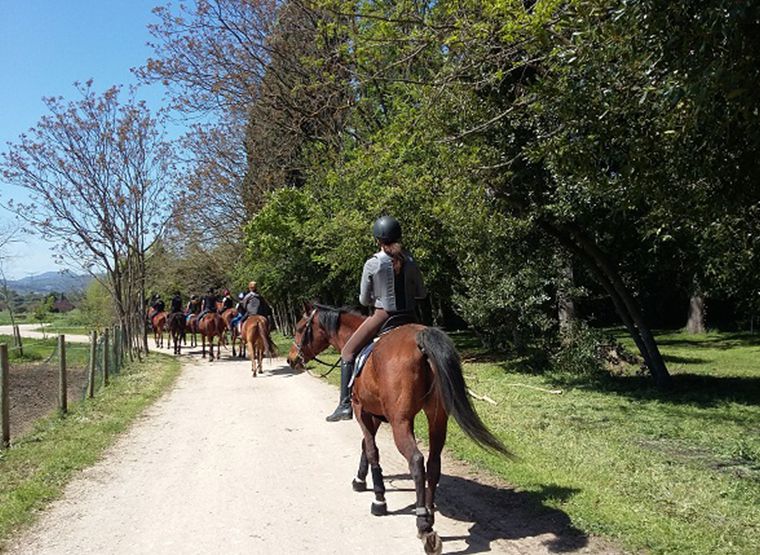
{"points": [[403, 435], [437, 425]]}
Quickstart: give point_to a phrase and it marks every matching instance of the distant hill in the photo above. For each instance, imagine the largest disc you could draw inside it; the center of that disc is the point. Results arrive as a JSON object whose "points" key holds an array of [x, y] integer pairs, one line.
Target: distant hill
{"points": [[49, 282]]}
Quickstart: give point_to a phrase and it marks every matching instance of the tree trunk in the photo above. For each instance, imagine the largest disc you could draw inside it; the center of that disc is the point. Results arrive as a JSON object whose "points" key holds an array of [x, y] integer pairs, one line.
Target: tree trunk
{"points": [[695, 320], [565, 303], [625, 305]]}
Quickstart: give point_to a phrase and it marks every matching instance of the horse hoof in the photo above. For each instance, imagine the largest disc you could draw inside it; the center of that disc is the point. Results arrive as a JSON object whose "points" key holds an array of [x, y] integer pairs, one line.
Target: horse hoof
{"points": [[359, 485], [379, 508], [432, 543]]}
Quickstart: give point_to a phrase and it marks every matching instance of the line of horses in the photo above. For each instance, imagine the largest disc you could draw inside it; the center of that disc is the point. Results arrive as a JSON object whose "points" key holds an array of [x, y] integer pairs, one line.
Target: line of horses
{"points": [[413, 368], [252, 339]]}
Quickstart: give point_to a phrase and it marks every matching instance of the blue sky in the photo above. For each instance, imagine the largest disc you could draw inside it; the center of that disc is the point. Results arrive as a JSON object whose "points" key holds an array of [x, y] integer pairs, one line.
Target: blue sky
{"points": [[47, 45]]}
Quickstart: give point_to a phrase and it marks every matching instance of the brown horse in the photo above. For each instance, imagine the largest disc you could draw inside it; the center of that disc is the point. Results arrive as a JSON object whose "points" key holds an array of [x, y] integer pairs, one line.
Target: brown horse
{"points": [[210, 326], [227, 317], [255, 334], [191, 325], [158, 323], [412, 368]]}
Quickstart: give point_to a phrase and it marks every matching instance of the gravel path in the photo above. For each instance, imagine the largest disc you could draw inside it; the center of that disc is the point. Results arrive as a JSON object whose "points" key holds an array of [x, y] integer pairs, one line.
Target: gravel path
{"points": [[226, 463], [29, 330]]}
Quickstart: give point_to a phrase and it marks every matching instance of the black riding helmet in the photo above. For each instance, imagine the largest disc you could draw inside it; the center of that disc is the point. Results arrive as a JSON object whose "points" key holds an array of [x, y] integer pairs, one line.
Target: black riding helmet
{"points": [[387, 229]]}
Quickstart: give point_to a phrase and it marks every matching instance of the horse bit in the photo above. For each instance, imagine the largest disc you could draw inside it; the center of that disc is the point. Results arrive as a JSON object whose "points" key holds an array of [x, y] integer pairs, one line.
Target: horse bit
{"points": [[307, 333]]}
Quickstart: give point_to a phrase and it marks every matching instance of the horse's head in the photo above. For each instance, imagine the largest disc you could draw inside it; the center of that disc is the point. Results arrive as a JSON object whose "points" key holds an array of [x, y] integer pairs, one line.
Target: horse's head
{"points": [[311, 338]]}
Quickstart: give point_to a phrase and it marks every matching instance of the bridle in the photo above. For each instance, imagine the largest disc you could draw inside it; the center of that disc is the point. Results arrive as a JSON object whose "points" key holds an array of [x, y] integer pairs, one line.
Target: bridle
{"points": [[306, 338]]}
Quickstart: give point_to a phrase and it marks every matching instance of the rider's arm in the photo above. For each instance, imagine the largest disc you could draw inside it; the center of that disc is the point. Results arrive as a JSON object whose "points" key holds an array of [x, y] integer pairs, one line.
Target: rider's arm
{"points": [[365, 287]]}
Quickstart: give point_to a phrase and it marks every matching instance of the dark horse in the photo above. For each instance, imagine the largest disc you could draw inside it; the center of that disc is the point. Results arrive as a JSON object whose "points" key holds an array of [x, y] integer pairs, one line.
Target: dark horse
{"points": [[176, 324], [412, 368]]}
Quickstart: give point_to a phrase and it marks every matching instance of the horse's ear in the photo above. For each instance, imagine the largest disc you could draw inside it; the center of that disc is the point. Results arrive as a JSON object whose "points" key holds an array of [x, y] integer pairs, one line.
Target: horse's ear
{"points": [[307, 306]]}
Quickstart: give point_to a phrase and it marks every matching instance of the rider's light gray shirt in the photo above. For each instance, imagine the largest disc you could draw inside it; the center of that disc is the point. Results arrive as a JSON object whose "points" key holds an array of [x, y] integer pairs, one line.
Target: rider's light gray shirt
{"points": [[378, 285]]}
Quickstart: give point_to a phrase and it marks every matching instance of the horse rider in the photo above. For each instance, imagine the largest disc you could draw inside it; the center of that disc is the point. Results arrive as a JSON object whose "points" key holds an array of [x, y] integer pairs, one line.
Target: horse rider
{"points": [[193, 306], [157, 306], [254, 304], [227, 301], [392, 283], [240, 311], [176, 302], [209, 304]]}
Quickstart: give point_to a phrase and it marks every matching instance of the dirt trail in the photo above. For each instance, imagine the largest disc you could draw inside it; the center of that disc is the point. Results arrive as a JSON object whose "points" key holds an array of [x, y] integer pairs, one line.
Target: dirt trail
{"points": [[29, 330], [226, 463]]}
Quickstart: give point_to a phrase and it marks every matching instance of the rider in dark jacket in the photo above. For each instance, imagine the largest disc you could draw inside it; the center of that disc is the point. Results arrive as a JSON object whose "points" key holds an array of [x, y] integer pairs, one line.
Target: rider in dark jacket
{"points": [[157, 306], [209, 303], [176, 305]]}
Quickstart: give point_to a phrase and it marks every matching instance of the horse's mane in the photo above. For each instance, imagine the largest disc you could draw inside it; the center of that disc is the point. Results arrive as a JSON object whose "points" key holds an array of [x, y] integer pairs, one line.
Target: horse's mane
{"points": [[329, 316]]}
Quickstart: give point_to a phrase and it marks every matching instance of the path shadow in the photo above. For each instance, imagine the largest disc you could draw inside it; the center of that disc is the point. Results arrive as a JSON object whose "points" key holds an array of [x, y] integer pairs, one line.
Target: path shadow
{"points": [[283, 371], [502, 514]]}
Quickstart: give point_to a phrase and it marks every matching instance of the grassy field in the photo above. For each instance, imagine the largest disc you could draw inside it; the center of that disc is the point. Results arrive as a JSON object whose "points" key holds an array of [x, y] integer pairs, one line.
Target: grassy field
{"points": [[77, 354], [35, 470], [675, 472], [5, 318]]}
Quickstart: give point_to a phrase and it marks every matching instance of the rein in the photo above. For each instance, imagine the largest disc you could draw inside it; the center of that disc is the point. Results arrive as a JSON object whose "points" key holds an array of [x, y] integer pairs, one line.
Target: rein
{"points": [[299, 347]]}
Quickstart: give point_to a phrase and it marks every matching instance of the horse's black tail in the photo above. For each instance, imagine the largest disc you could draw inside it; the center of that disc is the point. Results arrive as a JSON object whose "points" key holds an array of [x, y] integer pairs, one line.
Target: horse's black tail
{"points": [[444, 359]]}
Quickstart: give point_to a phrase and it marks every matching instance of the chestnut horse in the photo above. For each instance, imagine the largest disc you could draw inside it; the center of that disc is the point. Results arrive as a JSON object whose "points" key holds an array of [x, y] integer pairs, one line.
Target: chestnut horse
{"points": [[159, 325], [227, 317], [412, 368], [191, 325], [210, 326], [255, 334]]}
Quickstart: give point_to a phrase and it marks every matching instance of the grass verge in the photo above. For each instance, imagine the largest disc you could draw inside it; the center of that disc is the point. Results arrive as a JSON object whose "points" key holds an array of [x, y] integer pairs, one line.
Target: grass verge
{"points": [[38, 466]]}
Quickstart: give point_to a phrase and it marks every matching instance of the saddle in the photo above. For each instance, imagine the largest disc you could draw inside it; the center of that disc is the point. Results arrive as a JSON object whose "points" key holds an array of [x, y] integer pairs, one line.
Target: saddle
{"points": [[395, 321]]}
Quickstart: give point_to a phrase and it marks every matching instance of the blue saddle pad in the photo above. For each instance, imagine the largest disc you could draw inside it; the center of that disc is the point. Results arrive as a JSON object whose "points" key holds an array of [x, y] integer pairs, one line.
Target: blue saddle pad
{"points": [[361, 360]]}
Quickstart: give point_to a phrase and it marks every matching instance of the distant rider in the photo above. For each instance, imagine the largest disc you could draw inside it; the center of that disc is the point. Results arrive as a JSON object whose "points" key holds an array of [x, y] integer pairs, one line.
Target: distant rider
{"points": [[254, 304], [157, 307], [209, 303], [176, 302]]}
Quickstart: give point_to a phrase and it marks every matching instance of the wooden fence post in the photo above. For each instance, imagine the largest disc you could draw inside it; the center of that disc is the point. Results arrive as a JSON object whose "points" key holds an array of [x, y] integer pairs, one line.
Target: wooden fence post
{"points": [[93, 364], [106, 357], [5, 406], [62, 389]]}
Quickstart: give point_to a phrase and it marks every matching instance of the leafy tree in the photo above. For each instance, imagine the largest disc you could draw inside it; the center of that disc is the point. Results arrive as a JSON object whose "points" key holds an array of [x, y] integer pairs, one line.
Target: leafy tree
{"points": [[98, 172]]}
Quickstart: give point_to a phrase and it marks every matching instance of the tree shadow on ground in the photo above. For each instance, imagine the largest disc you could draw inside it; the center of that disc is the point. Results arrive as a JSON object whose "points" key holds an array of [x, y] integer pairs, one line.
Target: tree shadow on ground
{"points": [[502, 514], [723, 341], [697, 390], [685, 360]]}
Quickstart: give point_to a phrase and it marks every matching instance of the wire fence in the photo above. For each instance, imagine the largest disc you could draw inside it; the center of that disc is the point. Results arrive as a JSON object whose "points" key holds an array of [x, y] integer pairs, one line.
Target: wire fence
{"points": [[73, 370]]}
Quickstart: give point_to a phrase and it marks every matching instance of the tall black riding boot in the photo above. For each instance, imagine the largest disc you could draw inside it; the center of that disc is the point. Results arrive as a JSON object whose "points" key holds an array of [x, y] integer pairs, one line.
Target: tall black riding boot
{"points": [[343, 411]]}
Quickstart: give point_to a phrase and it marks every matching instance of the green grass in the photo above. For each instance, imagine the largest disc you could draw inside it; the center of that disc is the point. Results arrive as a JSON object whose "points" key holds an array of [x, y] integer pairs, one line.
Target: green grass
{"points": [[675, 472], [77, 354], [38, 466], [5, 318], [282, 342]]}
